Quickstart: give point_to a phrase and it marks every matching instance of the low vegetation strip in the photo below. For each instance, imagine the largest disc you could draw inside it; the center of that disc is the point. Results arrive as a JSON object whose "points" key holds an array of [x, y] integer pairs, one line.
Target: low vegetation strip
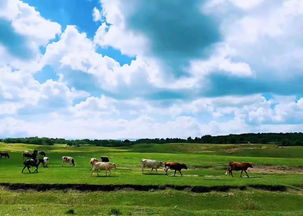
{"points": [[89, 187]]}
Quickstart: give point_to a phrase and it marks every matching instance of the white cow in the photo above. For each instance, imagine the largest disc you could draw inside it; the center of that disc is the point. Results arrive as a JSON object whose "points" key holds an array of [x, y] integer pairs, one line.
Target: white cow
{"points": [[45, 161], [153, 164], [67, 159], [107, 166]]}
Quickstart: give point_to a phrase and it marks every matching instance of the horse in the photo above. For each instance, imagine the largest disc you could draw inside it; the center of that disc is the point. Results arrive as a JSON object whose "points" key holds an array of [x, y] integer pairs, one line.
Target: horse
{"points": [[32, 163]]}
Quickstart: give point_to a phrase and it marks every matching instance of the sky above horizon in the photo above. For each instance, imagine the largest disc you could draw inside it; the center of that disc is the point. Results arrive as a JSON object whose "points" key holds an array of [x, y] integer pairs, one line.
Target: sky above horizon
{"points": [[117, 69]]}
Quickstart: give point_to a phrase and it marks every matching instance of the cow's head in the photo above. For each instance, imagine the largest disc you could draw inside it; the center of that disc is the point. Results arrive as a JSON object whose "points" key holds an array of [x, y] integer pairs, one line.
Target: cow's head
{"points": [[183, 166], [250, 165], [93, 161]]}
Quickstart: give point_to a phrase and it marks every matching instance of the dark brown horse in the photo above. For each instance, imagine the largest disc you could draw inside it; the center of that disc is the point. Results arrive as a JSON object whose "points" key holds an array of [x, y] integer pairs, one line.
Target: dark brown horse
{"points": [[32, 163]]}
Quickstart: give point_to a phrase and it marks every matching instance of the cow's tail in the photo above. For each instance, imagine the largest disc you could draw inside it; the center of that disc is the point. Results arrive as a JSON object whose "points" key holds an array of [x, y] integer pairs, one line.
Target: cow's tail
{"points": [[73, 162]]}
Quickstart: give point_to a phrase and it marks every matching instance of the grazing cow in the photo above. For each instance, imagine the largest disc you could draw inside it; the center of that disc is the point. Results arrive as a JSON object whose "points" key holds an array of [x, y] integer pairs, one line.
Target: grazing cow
{"points": [[32, 163], [93, 161], [107, 166], [27, 154], [67, 159], [42, 153], [4, 155], [238, 166], [174, 166], [153, 164], [104, 159], [45, 162]]}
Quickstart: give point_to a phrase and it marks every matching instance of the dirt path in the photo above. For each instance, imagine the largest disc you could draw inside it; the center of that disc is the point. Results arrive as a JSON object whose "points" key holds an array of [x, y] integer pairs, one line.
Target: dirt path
{"points": [[277, 170]]}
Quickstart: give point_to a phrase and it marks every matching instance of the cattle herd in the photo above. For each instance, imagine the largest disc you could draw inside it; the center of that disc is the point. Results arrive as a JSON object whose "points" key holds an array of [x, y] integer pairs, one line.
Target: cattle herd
{"points": [[35, 158]]}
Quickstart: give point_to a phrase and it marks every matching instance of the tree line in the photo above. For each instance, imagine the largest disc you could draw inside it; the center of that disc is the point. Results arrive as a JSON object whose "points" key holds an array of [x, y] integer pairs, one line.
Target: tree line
{"points": [[284, 139]]}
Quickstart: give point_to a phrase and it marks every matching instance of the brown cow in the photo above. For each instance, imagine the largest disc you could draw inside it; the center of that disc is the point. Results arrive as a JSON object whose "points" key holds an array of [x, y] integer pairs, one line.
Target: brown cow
{"points": [[174, 166], [27, 154], [238, 166], [4, 155]]}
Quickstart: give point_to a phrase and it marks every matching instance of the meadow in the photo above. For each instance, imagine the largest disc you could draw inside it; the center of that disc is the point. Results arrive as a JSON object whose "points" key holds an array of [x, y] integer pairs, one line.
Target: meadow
{"points": [[273, 166]]}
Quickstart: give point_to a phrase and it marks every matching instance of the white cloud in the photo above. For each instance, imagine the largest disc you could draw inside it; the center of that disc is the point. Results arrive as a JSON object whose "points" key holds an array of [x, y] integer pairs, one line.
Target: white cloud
{"points": [[97, 15], [116, 34]]}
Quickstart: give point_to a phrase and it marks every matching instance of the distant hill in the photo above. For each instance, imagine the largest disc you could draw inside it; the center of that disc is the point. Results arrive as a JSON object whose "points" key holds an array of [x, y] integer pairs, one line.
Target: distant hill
{"points": [[284, 139]]}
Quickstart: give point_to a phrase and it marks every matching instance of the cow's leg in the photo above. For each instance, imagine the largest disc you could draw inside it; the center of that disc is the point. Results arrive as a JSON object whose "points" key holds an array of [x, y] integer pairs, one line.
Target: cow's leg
{"points": [[23, 169], [110, 172], [241, 173], [246, 173], [165, 170], [231, 173], [180, 172], [175, 173], [152, 169], [29, 170], [156, 170]]}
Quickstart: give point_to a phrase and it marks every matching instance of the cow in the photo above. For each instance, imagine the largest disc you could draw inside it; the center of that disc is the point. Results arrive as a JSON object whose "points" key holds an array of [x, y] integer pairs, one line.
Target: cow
{"points": [[107, 166], [238, 166], [153, 164], [32, 163], [104, 159], [4, 155], [93, 161], [42, 153], [45, 162], [27, 154], [174, 166], [68, 159]]}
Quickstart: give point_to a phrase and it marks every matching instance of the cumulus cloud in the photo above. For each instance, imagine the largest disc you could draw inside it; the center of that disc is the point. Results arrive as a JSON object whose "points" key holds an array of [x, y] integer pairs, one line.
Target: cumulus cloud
{"points": [[199, 67], [24, 30], [174, 36]]}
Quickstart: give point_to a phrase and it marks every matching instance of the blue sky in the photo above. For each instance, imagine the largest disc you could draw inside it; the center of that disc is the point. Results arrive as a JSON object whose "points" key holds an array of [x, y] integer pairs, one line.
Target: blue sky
{"points": [[141, 68]]}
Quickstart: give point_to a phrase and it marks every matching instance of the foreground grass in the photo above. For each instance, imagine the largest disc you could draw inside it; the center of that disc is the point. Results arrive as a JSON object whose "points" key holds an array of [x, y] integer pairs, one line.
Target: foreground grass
{"points": [[167, 202]]}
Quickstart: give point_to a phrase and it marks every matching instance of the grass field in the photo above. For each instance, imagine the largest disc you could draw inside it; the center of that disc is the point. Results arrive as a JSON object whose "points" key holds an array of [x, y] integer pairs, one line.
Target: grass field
{"points": [[273, 165], [151, 203]]}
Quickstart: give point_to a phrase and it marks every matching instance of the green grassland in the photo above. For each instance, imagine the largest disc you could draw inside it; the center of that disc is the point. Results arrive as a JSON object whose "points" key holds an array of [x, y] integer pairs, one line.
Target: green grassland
{"points": [[206, 162], [166, 202]]}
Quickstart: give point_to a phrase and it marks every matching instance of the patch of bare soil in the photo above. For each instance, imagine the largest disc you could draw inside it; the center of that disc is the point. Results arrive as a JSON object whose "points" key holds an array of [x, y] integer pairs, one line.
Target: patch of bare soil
{"points": [[277, 170]]}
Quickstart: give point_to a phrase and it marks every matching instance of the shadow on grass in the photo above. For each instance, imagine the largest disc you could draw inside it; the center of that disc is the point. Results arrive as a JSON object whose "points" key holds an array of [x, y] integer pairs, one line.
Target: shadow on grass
{"points": [[105, 176], [153, 173], [27, 173]]}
